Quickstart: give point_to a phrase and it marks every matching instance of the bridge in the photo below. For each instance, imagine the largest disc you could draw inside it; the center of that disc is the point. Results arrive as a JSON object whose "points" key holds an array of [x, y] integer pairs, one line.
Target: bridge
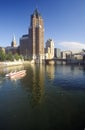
{"points": [[54, 60]]}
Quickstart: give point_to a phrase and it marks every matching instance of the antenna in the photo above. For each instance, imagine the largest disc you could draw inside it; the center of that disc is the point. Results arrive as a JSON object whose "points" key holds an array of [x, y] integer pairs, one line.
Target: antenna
{"points": [[36, 4]]}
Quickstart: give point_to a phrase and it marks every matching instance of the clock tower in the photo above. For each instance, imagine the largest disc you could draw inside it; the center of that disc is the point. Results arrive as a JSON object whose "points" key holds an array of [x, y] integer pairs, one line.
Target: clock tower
{"points": [[36, 35]]}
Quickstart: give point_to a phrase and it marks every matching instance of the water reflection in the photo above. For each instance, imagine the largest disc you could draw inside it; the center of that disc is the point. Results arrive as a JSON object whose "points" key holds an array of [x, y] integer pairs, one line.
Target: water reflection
{"points": [[45, 99], [50, 70], [1, 81], [5, 70], [34, 82]]}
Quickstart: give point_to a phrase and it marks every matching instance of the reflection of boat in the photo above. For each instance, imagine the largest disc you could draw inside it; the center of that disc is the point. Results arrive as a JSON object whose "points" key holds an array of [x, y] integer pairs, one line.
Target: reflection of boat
{"points": [[16, 74]]}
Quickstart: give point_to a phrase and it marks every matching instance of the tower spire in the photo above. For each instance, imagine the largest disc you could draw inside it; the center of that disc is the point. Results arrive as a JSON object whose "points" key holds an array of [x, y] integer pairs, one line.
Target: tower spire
{"points": [[14, 37], [36, 13], [13, 44]]}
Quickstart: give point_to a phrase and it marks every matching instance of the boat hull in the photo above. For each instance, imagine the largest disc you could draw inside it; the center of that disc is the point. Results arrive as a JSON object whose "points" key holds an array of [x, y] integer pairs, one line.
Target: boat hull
{"points": [[16, 74]]}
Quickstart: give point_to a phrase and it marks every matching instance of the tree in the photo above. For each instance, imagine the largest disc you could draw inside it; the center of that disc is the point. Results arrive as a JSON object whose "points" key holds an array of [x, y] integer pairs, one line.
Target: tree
{"points": [[2, 55], [17, 57], [9, 56]]}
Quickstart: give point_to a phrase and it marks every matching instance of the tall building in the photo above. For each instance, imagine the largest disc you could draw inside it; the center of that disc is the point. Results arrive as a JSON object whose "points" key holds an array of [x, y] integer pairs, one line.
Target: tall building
{"points": [[57, 53], [13, 44], [35, 38], [24, 46], [50, 49]]}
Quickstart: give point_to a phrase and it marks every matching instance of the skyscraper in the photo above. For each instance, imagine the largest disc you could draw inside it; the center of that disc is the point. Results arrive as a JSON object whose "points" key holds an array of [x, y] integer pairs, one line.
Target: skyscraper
{"points": [[36, 34], [36, 37]]}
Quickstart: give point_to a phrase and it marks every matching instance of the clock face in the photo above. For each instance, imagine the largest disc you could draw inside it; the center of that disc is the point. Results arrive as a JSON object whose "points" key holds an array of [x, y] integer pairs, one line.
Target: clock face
{"points": [[38, 25]]}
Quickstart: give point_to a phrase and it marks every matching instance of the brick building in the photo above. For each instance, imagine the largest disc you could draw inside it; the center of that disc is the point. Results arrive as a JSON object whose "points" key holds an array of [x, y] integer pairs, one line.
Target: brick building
{"points": [[32, 44]]}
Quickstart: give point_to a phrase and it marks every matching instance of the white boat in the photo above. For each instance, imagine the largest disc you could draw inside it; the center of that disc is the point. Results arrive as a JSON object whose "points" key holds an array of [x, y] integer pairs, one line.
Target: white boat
{"points": [[16, 74], [7, 75]]}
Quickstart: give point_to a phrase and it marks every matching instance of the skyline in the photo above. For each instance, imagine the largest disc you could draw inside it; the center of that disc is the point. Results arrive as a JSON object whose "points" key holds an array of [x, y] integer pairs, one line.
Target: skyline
{"points": [[64, 21]]}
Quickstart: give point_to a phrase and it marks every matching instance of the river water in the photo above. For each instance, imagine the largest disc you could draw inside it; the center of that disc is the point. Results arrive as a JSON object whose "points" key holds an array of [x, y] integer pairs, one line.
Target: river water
{"points": [[48, 97]]}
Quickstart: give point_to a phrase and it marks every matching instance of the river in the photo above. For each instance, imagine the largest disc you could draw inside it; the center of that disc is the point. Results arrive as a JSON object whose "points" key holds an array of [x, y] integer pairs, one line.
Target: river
{"points": [[48, 97]]}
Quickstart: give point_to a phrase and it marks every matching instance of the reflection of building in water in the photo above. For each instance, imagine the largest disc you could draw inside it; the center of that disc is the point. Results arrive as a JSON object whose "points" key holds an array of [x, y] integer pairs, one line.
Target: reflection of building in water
{"points": [[34, 82], [50, 69], [1, 81], [37, 83]]}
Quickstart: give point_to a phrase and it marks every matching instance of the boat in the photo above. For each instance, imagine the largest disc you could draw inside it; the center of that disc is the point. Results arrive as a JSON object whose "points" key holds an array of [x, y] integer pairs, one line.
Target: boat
{"points": [[16, 74], [7, 75], [17, 77]]}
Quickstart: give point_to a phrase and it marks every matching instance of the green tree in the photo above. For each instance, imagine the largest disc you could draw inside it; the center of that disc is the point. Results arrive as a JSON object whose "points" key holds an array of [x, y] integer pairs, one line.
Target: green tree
{"points": [[9, 56], [20, 57], [2, 55], [16, 56]]}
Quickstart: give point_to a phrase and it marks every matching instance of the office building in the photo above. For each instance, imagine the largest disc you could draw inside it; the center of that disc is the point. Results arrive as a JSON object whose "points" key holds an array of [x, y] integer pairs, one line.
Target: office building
{"points": [[49, 54], [32, 44]]}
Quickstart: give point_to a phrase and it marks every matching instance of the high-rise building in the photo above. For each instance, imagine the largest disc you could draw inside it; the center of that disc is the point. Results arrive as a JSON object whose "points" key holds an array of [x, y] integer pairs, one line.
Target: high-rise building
{"points": [[24, 46], [57, 53], [50, 49], [35, 38]]}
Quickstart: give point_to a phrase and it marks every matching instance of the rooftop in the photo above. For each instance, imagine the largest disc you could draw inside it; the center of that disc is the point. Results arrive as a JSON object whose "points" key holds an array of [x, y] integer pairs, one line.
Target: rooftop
{"points": [[36, 13]]}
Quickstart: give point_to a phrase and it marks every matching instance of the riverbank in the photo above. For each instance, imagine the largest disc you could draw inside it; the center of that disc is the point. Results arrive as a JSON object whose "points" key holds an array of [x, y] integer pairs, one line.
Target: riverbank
{"points": [[14, 63], [10, 63]]}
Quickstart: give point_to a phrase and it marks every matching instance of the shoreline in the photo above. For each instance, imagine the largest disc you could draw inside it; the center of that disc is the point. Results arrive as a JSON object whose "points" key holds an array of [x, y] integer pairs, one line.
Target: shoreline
{"points": [[13, 63], [17, 63]]}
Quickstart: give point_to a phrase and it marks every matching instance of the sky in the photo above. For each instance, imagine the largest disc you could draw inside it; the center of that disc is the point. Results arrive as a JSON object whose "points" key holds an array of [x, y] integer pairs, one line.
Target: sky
{"points": [[64, 21]]}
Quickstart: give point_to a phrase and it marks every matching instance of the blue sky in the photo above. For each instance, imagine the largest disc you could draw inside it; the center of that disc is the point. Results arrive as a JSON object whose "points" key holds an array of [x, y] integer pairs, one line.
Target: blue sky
{"points": [[64, 21]]}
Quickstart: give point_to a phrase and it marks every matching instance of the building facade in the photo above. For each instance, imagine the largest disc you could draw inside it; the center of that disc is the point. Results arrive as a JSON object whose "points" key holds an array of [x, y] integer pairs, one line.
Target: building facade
{"points": [[57, 53], [13, 43], [49, 54], [24, 46], [34, 42], [66, 54], [13, 48]]}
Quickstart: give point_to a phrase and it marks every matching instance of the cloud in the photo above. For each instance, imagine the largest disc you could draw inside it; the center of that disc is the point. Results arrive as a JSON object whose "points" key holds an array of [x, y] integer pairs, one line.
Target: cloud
{"points": [[71, 45]]}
